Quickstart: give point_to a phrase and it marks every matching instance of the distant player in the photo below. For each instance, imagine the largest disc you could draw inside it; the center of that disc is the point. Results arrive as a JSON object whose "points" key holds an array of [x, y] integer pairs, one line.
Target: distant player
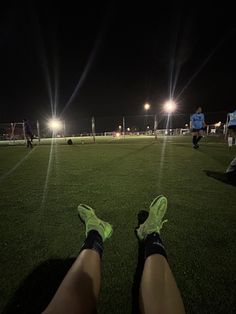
{"points": [[197, 124], [231, 124], [28, 133]]}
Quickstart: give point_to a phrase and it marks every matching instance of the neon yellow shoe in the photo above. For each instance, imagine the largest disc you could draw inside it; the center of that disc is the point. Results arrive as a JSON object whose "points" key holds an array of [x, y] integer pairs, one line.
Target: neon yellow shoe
{"points": [[92, 222], [155, 221]]}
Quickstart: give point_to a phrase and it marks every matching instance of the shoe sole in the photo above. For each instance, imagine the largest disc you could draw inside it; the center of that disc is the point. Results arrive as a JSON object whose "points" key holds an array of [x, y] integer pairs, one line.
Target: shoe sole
{"points": [[156, 207], [157, 199]]}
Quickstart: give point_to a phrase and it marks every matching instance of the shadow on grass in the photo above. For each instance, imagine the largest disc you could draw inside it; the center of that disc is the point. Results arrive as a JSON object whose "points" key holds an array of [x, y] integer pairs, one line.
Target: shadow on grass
{"points": [[142, 216], [38, 288], [223, 177]]}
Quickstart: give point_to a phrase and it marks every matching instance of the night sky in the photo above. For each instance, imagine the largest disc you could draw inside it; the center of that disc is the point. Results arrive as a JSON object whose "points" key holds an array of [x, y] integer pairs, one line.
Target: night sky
{"points": [[120, 55]]}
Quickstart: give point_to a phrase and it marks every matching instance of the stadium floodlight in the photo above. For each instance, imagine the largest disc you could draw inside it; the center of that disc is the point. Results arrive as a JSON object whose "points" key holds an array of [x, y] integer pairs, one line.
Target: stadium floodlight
{"points": [[55, 124], [147, 106], [170, 106], [128, 129]]}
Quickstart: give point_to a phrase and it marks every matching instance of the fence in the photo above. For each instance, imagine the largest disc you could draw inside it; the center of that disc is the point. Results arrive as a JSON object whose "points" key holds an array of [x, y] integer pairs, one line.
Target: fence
{"points": [[159, 124], [140, 123]]}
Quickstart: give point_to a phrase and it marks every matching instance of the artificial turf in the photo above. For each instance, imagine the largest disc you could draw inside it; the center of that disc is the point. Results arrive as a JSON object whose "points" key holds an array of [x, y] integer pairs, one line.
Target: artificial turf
{"points": [[41, 233]]}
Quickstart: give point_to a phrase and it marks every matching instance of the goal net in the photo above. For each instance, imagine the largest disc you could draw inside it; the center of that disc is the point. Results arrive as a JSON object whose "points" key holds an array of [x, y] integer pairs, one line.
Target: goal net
{"points": [[14, 133]]}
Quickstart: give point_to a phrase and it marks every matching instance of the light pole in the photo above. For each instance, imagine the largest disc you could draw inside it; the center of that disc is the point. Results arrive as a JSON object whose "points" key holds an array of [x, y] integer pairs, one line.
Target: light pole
{"points": [[155, 126], [169, 107], [146, 108]]}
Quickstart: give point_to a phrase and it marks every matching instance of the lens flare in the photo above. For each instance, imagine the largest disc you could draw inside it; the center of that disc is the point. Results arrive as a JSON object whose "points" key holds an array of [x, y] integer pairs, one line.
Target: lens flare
{"points": [[170, 106], [55, 124]]}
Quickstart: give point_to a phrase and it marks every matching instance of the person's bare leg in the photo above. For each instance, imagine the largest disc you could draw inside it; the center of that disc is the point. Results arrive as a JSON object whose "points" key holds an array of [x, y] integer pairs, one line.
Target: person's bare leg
{"points": [[158, 290], [78, 292], [194, 139], [231, 137], [199, 136]]}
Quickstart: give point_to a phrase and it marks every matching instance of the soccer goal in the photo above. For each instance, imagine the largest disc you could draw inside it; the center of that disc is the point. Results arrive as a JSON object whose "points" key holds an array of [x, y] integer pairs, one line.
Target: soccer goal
{"points": [[14, 133]]}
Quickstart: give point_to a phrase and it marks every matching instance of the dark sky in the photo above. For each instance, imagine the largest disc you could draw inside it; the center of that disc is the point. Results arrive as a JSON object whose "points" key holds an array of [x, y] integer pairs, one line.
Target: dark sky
{"points": [[120, 55]]}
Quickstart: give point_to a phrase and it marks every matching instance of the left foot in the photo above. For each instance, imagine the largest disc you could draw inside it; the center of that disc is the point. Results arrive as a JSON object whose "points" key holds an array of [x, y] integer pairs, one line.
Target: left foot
{"points": [[92, 222]]}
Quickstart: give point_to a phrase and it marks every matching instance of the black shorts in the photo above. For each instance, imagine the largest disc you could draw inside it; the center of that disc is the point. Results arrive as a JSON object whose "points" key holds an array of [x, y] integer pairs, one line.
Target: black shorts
{"points": [[30, 135], [232, 127], [197, 130]]}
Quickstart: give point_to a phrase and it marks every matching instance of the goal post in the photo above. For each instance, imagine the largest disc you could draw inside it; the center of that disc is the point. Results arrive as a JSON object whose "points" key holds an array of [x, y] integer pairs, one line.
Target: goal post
{"points": [[14, 133], [38, 131]]}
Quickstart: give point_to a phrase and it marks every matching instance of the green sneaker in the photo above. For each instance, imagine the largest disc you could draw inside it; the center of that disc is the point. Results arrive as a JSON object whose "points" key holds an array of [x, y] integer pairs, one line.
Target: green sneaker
{"points": [[155, 221], [92, 222]]}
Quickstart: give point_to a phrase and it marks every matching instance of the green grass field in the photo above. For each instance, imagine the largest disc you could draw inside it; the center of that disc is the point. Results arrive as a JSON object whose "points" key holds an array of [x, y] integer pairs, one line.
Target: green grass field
{"points": [[41, 233]]}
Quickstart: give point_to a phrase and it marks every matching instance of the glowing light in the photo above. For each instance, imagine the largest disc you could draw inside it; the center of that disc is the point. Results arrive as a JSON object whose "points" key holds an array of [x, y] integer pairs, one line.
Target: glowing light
{"points": [[120, 127], [148, 127], [147, 106], [117, 134], [128, 129], [186, 125], [170, 106], [55, 124]]}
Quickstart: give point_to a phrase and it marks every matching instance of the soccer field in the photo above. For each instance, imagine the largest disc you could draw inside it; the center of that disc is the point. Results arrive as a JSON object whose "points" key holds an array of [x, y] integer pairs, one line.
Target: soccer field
{"points": [[41, 233]]}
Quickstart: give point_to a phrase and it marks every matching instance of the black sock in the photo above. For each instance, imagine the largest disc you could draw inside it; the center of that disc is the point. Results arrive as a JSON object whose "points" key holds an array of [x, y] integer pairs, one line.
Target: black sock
{"points": [[194, 140], [93, 242], [154, 245], [198, 139]]}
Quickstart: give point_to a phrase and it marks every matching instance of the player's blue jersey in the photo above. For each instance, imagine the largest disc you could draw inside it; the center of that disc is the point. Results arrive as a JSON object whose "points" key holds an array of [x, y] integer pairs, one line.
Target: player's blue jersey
{"points": [[232, 118], [198, 120]]}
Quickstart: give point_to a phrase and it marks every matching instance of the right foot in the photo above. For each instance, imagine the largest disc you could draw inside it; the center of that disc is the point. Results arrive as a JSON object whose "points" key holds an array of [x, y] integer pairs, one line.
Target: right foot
{"points": [[196, 146], [155, 221], [92, 222]]}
